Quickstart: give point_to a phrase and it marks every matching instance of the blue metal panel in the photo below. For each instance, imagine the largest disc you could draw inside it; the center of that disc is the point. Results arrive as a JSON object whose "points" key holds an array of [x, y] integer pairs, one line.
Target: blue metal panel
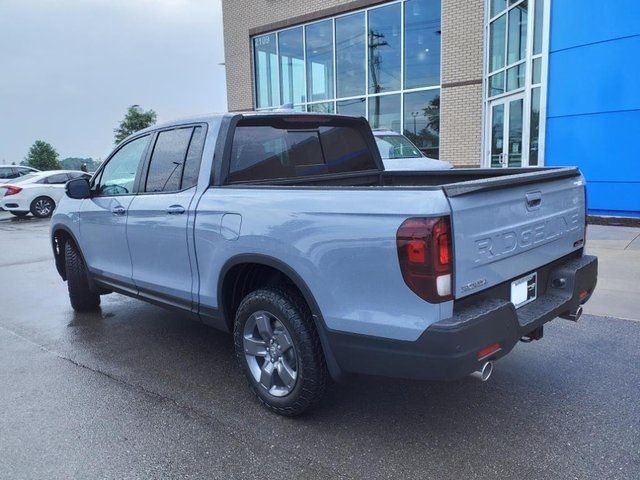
{"points": [[593, 107], [579, 22], [601, 77], [605, 146]]}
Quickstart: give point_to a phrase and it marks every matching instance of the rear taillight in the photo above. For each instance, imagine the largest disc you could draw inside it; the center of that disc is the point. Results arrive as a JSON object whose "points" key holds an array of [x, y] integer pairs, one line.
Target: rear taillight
{"points": [[11, 190], [424, 251]]}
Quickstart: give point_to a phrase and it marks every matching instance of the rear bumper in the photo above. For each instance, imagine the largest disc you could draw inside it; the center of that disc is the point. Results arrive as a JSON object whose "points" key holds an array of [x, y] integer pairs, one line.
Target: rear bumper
{"points": [[448, 349]]}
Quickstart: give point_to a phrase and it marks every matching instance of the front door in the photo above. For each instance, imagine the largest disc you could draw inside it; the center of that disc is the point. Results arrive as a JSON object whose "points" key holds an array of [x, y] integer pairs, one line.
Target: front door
{"points": [[506, 140], [103, 225]]}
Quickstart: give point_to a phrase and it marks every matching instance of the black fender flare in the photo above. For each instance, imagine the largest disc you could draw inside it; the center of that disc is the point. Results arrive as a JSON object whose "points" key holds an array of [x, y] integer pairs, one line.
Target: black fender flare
{"points": [[59, 259], [334, 369]]}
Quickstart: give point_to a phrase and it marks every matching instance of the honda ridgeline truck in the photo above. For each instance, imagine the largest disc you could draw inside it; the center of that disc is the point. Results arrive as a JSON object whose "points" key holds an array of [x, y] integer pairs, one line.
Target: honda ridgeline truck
{"points": [[286, 230]]}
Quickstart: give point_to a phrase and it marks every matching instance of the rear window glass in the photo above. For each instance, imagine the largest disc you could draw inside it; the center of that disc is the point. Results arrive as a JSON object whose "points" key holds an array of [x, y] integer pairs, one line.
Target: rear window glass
{"points": [[167, 160], [263, 152], [194, 155]]}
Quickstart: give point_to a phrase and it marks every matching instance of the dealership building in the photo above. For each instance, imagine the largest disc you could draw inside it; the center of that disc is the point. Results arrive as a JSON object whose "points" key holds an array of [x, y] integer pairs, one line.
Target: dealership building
{"points": [[490, 83]]}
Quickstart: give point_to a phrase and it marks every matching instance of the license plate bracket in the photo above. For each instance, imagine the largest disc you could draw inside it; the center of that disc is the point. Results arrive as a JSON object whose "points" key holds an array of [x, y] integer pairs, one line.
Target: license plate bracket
{"points": [[524, 290]]}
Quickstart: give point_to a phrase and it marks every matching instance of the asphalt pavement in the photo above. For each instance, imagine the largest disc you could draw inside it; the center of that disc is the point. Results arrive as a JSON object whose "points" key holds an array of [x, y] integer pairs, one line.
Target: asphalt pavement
{"points": [[136, 391]]}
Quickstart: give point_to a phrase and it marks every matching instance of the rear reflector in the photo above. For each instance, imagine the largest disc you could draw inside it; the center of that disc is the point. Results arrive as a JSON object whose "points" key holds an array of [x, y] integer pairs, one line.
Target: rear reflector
{"points": [[426, 257], [488, 351]]}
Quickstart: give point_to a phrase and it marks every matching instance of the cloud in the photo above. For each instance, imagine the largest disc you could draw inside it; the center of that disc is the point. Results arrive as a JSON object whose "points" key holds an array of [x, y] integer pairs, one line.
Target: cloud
{"points": [[71, 68]]}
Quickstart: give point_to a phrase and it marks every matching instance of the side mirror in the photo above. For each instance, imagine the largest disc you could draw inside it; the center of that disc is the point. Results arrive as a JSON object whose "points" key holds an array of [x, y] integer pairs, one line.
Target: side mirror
{"points": [[78, 188]]}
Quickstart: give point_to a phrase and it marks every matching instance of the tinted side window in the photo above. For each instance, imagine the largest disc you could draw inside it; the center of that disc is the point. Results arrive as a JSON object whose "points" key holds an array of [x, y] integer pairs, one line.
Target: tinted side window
{"points": [[57, 179], [119, 174], [8, 173], [261, 152], [194, 156], [167, 160]]}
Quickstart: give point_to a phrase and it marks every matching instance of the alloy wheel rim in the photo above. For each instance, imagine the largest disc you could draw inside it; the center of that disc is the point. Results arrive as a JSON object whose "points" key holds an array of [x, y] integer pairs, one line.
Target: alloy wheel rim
{"points": [[270, 353], [43, 207]]}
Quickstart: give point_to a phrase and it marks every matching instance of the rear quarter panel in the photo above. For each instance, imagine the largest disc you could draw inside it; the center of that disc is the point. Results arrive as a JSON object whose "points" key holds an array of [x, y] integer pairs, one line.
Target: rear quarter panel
{"points": [[341, 242]]}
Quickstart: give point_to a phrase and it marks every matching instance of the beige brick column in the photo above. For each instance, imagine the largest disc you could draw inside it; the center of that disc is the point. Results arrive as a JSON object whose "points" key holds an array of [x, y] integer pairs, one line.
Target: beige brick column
{"points": [[461, 95]]}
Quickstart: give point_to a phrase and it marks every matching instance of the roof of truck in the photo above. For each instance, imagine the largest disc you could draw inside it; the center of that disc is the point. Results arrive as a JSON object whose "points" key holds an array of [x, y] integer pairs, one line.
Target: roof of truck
{"points": [[212, 117]]}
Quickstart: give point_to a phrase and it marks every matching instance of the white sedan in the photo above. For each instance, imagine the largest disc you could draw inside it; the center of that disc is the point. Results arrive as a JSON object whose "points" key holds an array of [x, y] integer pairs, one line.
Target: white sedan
{"points": [[398, 153], [37, 193]]}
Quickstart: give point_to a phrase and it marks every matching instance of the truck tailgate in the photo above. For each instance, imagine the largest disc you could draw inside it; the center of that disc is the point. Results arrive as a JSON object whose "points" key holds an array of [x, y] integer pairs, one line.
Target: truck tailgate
{"points": [[505, 229]]}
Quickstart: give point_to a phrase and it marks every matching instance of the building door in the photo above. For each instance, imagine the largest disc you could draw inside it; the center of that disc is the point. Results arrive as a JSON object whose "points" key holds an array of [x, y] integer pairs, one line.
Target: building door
{"points": [[505, 146]]}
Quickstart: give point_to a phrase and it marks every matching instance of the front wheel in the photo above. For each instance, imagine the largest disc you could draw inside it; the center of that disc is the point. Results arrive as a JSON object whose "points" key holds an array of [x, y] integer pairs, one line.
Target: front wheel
{"points": [[278, 349], [82, 298], [42, 207]]}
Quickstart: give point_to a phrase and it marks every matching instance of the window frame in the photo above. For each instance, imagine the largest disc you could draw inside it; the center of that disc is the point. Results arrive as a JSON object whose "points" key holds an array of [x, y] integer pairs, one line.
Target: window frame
{"points": [[225, 140], [97, 177], [147, 160], [308, 104]]}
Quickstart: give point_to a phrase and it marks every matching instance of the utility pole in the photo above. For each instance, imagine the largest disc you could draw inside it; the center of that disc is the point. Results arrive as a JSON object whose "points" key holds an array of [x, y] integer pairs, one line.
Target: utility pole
{"points": [[376, 40]]}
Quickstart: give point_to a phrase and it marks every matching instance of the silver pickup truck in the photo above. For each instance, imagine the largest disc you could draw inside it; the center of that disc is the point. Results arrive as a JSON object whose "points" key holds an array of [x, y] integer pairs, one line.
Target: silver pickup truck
{"points": [[286, 230]]}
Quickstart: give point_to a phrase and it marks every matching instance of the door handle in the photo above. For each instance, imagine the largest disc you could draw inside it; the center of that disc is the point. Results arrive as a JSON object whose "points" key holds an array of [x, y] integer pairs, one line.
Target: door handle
{"points": [[534, 199], [175, 210], [118, 210]]}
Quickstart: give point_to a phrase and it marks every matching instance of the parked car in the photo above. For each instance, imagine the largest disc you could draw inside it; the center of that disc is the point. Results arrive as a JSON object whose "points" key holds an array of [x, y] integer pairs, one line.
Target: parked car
{"points": [[37, 192], [286, 230], [10, 172], [398, 153]]}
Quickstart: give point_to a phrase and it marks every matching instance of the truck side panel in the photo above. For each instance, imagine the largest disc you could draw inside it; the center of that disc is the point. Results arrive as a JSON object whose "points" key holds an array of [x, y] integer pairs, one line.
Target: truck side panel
{"points": [[341, 242]]}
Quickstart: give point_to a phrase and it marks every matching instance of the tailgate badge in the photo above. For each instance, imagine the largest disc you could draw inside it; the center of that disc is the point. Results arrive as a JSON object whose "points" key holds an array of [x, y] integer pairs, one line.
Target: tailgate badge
{"points": [[474, 285]]}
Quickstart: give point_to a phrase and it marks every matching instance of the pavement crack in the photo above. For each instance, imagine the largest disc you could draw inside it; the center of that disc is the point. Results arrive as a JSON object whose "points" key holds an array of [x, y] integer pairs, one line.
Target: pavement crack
{"points": [[237, 433]]}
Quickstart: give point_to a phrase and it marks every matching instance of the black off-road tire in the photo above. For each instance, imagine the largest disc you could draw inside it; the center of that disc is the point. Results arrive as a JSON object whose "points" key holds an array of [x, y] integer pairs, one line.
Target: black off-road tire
{"points": [[83, 299], [294, 313]]}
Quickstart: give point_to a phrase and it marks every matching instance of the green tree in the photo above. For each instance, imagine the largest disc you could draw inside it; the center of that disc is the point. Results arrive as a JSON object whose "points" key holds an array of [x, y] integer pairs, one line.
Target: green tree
{"points": [[42, 156], [135, 119]]}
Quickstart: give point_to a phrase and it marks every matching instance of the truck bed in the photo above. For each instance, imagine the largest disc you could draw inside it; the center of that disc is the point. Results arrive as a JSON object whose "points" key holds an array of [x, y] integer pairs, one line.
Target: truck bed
{"points": [[454, 182]]}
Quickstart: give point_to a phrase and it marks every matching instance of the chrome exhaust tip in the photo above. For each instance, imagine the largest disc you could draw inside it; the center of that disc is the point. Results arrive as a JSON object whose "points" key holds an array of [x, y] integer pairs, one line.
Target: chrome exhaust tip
{"points": [[573, 316], [484, 373]]}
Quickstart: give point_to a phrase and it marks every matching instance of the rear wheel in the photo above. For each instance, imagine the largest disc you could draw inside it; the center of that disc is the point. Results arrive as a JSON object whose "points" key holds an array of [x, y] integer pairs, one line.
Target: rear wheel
{"points": [[42, 207], [279, 351], [19, 214], [82, 298]]}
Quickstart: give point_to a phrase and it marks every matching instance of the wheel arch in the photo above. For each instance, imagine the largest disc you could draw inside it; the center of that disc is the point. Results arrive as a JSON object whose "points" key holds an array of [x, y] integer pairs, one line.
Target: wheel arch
{"points": [[60, 235], [227, 303]]}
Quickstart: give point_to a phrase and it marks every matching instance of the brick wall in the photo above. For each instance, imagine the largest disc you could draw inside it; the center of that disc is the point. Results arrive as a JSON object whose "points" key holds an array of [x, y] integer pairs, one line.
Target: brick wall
{"points": [[461, 97], [462, 54]]}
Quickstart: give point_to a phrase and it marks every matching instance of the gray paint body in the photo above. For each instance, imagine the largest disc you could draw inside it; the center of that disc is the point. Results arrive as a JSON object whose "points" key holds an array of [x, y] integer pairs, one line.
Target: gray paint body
{"points": [[341, 242]]}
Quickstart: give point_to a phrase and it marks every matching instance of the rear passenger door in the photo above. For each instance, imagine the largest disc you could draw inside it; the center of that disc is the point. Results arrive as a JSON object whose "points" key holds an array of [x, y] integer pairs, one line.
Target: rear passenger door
{"points": [[159, 216]]}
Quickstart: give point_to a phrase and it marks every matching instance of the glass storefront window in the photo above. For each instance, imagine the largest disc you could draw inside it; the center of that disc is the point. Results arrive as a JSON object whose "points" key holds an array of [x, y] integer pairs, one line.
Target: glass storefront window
{"points": [[355, 107], [421, 43], [497, 31], [516, 77], [517, 41], [385, 49], [422, 120], [324, 107], [384, 112], [536, 70], [266, 65], [291, 65], [350, 55], [537, 27], [497, 6], [496, 84], [319, 49], [534, 127]]}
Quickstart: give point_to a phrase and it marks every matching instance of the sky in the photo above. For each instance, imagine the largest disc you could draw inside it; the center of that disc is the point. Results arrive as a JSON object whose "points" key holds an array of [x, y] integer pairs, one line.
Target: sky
{"points": [[69, 69]]}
